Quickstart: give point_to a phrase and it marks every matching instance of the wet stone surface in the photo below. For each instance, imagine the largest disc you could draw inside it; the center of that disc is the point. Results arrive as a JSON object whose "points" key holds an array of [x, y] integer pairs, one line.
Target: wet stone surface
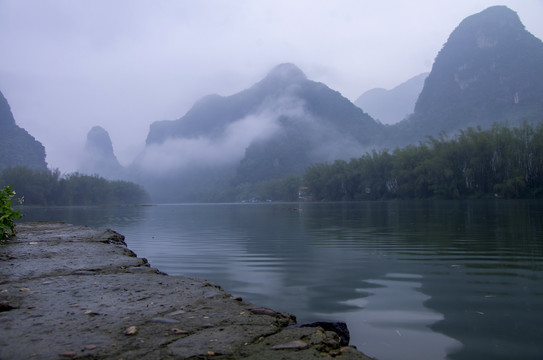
{"points": [[76, 292]]}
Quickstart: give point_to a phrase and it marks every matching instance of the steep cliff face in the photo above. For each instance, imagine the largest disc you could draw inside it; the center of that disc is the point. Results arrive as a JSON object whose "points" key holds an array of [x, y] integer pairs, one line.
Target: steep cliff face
{"points": [[17, 146], [489, 70], [98, 157], [6, 117]]}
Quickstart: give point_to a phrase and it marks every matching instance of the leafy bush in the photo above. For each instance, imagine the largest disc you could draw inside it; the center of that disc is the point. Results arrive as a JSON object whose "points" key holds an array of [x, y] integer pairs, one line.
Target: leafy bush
{"points": [[7, 214]]}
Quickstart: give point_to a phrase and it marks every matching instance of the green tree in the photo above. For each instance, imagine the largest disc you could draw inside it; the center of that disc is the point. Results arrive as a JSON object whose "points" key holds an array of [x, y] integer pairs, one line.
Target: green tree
{"points": [[285, 189], [500, 161], [48, 187], [7, 214], [39, 187]]}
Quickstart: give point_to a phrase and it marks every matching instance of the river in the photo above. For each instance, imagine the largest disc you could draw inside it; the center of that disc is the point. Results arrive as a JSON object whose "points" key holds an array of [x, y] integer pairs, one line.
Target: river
{"points": [[412, 279]]}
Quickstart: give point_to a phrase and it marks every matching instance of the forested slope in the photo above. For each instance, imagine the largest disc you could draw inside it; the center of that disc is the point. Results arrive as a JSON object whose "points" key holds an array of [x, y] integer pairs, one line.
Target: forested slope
{"points": [[499, 162]]}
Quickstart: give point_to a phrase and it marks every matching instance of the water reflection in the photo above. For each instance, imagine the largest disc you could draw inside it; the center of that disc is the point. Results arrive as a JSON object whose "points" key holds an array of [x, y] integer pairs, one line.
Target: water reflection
{"points": [[391, 319]]}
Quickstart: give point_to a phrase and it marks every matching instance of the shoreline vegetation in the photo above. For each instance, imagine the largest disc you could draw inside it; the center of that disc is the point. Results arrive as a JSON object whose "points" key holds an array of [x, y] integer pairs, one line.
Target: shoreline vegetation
{"points": [[500, 162], [7, 214], [49, 187]]}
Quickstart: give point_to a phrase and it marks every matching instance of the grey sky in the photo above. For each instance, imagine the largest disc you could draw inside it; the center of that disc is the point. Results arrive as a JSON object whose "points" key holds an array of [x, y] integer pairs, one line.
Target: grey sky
{"points": [[68, 65]]}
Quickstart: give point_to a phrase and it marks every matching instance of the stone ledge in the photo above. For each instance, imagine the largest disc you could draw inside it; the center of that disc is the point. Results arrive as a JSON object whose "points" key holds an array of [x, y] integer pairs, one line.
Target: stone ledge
{"points": [[76, 292]]}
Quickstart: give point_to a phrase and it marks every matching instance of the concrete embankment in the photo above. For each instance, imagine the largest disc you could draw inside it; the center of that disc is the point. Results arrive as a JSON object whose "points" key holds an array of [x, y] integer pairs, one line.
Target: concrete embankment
{"points": [[76, 292]]}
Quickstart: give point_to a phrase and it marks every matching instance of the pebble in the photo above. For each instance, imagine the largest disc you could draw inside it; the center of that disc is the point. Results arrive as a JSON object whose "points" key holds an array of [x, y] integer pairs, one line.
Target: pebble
{"points": [[293, 345], [178, 312], [67, 354], [212, 294], [131, 330], [264, 311], [83, 272], [163, 320]]}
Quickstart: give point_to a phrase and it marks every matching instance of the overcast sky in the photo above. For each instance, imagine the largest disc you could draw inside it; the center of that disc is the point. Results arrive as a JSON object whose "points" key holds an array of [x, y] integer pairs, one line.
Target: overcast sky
{"points": [[67, 65]]}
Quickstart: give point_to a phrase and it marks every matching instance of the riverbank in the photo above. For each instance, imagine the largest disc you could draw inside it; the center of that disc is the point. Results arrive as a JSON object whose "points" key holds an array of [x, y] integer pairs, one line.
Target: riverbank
{"points": [[76, 292]]}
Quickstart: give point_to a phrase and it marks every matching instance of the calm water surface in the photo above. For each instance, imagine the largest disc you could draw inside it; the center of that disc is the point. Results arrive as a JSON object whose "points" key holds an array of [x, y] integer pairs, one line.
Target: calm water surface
{"points": [[412, 279]]}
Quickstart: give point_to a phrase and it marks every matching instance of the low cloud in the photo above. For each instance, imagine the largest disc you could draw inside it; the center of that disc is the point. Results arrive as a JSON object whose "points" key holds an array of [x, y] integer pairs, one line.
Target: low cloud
{"points": [[183, 154]]}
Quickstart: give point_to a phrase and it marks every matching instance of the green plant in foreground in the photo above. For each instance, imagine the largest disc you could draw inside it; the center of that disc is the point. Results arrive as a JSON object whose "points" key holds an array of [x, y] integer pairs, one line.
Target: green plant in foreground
{"points": [[7, 214]]}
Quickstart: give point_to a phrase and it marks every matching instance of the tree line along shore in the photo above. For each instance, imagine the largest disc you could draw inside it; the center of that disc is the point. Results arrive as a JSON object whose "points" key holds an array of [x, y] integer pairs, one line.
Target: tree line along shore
{"points": [[504, 162]]}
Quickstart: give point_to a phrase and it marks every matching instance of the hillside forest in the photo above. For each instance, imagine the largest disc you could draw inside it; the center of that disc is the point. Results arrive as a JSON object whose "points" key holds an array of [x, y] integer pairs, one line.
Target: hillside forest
{"points": [[498, 162]]}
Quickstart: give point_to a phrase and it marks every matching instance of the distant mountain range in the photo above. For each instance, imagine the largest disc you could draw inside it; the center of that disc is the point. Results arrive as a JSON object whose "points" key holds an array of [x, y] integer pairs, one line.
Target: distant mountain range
{"points": [[17, 146], [394, 105], [489, 71]]}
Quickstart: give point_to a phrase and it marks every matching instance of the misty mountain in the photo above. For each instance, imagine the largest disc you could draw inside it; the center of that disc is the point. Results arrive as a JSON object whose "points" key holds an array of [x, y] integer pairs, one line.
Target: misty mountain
{"points": [[211, 115], [285, 91], [279, 126], [17, 146], [326, 127], [488, 71], [98, 156], [392, 106]]}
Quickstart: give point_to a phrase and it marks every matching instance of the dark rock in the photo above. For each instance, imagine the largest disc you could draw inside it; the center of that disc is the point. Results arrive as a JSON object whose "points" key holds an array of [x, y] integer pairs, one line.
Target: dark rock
{"points": [[179, 331], [264, 311], [114, 237], [339, 327], [6, 307]]}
